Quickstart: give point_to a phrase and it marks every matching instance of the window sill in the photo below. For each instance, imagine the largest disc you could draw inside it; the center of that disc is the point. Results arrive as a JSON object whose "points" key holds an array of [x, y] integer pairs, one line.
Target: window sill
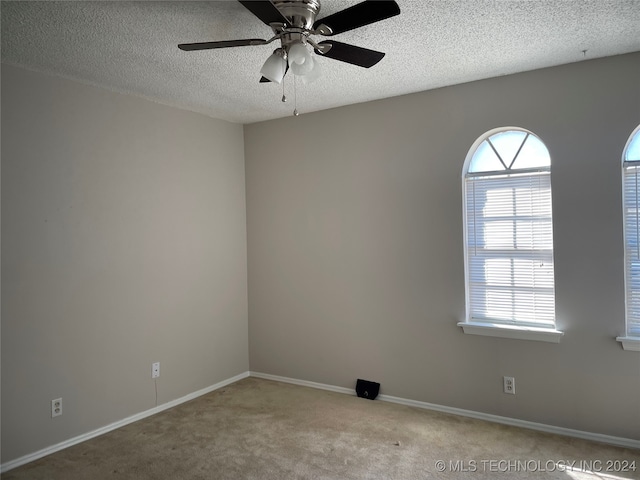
{"points": [[630, 343], [518, 332]]}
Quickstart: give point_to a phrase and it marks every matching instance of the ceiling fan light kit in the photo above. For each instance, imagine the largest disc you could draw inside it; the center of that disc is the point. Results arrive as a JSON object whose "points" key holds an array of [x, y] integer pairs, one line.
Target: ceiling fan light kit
{"points": [[276, 66], [298, 54], [314, 74], [293, 22]]}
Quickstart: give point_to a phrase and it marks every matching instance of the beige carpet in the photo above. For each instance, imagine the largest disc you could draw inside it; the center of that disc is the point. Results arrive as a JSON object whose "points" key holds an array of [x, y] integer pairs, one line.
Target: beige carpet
{"points": [[259, 429]]}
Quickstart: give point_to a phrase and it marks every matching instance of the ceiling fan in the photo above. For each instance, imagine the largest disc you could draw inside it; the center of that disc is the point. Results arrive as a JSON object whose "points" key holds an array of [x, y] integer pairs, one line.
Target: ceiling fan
{"points": [[293, 22]]}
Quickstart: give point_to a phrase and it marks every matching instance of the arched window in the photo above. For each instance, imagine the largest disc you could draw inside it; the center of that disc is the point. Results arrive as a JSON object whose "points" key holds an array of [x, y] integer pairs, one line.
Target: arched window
{"points": [[631, 205], [509, 237]]}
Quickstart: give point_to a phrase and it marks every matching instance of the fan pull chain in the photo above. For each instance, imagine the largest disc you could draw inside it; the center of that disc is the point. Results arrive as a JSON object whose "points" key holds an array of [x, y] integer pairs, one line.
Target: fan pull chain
{"points": [[284, 97], [295, 97]]}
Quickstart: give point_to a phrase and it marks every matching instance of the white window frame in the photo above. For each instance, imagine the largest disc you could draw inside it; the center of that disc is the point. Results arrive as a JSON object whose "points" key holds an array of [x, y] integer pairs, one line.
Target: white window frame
{"points": [[500, 328], [631, 339]]}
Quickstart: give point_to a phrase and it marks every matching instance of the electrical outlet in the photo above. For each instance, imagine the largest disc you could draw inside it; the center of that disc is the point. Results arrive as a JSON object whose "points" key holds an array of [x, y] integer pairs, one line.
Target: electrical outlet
{"points": [[56, 407], [155, 370], [509, 384]]}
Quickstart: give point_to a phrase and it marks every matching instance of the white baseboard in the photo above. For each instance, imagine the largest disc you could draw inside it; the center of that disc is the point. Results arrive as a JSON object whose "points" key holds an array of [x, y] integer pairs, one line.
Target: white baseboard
{"points": [[569, 432], [597, 437], [120, 423], [304, 383]]}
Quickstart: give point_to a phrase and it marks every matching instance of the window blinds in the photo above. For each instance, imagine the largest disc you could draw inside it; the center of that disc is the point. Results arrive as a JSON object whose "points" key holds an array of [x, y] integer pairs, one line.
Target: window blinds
{"points": [[510, 249], [631, 179]]}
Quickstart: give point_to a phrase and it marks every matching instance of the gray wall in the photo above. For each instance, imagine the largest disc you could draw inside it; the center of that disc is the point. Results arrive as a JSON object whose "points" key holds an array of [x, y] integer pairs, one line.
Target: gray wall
{"points": [[123, 243], [355, 255]]}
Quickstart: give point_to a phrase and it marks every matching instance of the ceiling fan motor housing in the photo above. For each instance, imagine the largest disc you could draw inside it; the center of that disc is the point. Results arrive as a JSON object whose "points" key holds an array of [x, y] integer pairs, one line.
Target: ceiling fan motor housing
{"points": [[300, 13]]}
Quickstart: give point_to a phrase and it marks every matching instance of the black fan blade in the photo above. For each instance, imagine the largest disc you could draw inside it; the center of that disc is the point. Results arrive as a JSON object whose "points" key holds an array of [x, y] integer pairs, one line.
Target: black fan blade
{"points": [[361, 14], [265, 11], [363, 57], [222, 44]]}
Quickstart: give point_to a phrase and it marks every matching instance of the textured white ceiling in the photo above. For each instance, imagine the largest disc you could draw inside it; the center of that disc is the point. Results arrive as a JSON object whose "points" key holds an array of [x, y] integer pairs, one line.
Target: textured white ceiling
{"points": [[131, 47]]}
